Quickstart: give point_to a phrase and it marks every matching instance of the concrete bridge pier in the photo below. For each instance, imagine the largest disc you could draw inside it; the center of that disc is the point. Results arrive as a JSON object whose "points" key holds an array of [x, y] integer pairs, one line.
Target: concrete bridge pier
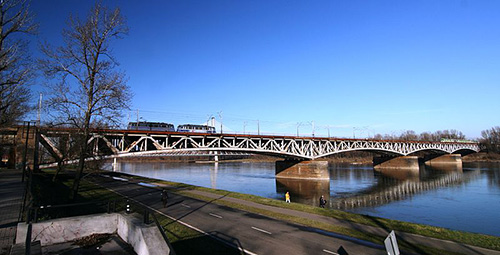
{"points": [[403, 162], [307, 169], [447, 161]]}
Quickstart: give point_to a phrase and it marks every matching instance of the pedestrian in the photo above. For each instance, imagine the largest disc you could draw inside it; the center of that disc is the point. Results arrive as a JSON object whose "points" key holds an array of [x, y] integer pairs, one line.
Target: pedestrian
{"points": [[164, 197], [322, 202], [287, 197]]}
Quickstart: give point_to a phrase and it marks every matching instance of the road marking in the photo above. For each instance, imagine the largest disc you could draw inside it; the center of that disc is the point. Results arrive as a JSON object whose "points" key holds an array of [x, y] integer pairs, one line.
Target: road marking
{"points": [[145, 184], [215, 215], [330, 252], [120, 179], [185, 224], [185, 205], [262, 230]]}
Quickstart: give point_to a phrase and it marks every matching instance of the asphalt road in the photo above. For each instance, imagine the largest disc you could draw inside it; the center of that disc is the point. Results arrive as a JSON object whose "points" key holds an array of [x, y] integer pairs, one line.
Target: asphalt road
{"points": [[251, 233]]}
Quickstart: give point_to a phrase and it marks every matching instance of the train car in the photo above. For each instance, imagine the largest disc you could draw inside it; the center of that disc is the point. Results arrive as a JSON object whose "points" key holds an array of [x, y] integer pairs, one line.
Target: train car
{"points": [[196, 128], [151, 126], [446, 140]]}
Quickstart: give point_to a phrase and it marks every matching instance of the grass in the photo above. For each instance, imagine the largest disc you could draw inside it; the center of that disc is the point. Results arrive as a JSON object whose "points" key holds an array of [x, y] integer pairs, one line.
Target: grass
{"points": [[186, 239], [480, 240], [420, 249]]}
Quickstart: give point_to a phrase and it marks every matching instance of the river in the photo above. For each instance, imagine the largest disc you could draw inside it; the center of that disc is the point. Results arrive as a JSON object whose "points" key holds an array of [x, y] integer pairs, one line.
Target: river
{"points": [[466, 199]]}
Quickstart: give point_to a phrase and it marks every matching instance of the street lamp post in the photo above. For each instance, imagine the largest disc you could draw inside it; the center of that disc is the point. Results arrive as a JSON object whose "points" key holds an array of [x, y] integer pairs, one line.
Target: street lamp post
{"points": [[312, 124], [220, 116], [298, 125]]}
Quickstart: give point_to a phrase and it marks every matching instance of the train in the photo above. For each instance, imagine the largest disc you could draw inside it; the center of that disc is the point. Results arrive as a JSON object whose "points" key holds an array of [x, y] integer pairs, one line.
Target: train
{"points": [[151, 126], [448, 140], [196, 128], [168, 127]]}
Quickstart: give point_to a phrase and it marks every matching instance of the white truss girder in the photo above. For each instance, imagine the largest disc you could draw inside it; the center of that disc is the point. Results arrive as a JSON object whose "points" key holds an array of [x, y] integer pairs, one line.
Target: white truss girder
{"points": [[300, 148], [122, 142]]}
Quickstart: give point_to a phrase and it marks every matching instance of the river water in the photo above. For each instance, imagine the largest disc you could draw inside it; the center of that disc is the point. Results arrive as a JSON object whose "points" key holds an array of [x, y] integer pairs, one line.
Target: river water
{"points": [[466, 199]]}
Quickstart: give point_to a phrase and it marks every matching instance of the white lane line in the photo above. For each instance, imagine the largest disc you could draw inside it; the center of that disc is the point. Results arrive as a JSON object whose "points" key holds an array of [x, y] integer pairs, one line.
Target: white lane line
{"points": [[330, 252], [120, 179], [262, 230], [185, 205], [187, 225], [145, 184], [215, 215]]}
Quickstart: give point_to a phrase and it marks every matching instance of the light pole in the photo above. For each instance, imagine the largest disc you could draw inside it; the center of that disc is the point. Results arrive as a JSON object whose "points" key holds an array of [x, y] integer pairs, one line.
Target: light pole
{"points": [[244, 126], [39, 110], [137, 126], [298, 125], [220, 117], [312, 124]]}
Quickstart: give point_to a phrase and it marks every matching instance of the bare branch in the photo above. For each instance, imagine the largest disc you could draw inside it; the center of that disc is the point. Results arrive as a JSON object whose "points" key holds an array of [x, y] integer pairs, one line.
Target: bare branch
{"points": [[88, 90], [15, 64]]}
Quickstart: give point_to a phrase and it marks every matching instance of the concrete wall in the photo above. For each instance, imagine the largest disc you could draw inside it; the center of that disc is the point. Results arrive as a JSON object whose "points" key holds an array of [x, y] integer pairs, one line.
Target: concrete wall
{"points": [[294, 169], [146, 240]]}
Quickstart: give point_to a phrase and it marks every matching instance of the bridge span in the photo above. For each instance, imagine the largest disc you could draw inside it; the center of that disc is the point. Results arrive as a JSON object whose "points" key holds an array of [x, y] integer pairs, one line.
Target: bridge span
{"points": [[128, 142], [296, 150]]}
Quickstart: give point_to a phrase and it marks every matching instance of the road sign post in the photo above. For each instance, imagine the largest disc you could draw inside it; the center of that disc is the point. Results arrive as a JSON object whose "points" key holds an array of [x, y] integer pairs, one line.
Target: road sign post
{"points": [[391, 244]]}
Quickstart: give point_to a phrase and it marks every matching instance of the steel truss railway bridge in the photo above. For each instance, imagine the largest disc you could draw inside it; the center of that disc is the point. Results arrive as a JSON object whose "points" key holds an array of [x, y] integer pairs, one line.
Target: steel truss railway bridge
{"points": [[124, 143]]}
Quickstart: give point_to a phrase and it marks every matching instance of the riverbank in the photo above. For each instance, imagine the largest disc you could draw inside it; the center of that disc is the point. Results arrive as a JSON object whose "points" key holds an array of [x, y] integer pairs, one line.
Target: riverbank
{"points": [[356, 225], [489, 242], [482, 157]]}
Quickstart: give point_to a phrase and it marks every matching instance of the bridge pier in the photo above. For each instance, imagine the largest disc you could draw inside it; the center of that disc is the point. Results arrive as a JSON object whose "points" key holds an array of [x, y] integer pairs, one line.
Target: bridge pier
{"points": [[447, 161], [403, 162], [308, 169]]}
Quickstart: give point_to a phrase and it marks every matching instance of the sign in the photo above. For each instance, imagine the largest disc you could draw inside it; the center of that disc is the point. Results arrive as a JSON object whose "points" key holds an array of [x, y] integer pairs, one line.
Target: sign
{"points": [[391, 244]]}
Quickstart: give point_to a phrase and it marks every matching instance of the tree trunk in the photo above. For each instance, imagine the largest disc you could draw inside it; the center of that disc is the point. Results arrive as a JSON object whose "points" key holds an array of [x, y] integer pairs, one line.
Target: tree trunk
{"points": [[81, 166], [83, 156], [59, 169]]}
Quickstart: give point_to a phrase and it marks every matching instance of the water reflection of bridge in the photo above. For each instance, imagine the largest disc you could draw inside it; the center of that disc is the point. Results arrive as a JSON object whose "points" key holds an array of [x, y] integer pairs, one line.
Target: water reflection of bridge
{"points": [[402, 190]]}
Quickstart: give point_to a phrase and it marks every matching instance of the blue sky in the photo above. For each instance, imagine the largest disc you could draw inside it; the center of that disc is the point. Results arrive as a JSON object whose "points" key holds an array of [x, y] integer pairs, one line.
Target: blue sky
{"points": [[356, 66]]}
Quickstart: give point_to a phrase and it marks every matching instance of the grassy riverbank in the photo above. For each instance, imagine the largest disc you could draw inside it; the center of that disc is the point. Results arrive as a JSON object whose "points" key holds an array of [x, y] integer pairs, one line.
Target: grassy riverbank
{"points": [[184, 238], [480, 240]]}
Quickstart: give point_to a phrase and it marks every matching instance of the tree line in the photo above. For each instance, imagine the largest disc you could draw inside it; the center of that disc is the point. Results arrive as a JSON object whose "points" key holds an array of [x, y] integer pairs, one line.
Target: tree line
{"points": [[410, 135]]}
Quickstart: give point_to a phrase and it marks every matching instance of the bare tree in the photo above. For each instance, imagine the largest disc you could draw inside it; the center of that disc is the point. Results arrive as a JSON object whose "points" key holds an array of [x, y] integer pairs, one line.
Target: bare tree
{"points": [[15, 64], [408, 135], [490, 139], [88, 90]]}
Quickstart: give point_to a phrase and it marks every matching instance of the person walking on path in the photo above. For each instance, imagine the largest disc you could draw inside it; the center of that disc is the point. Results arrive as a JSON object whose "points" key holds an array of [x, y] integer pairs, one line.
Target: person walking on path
{"points": [[322, 202], [287, 197], [164, 197]]}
